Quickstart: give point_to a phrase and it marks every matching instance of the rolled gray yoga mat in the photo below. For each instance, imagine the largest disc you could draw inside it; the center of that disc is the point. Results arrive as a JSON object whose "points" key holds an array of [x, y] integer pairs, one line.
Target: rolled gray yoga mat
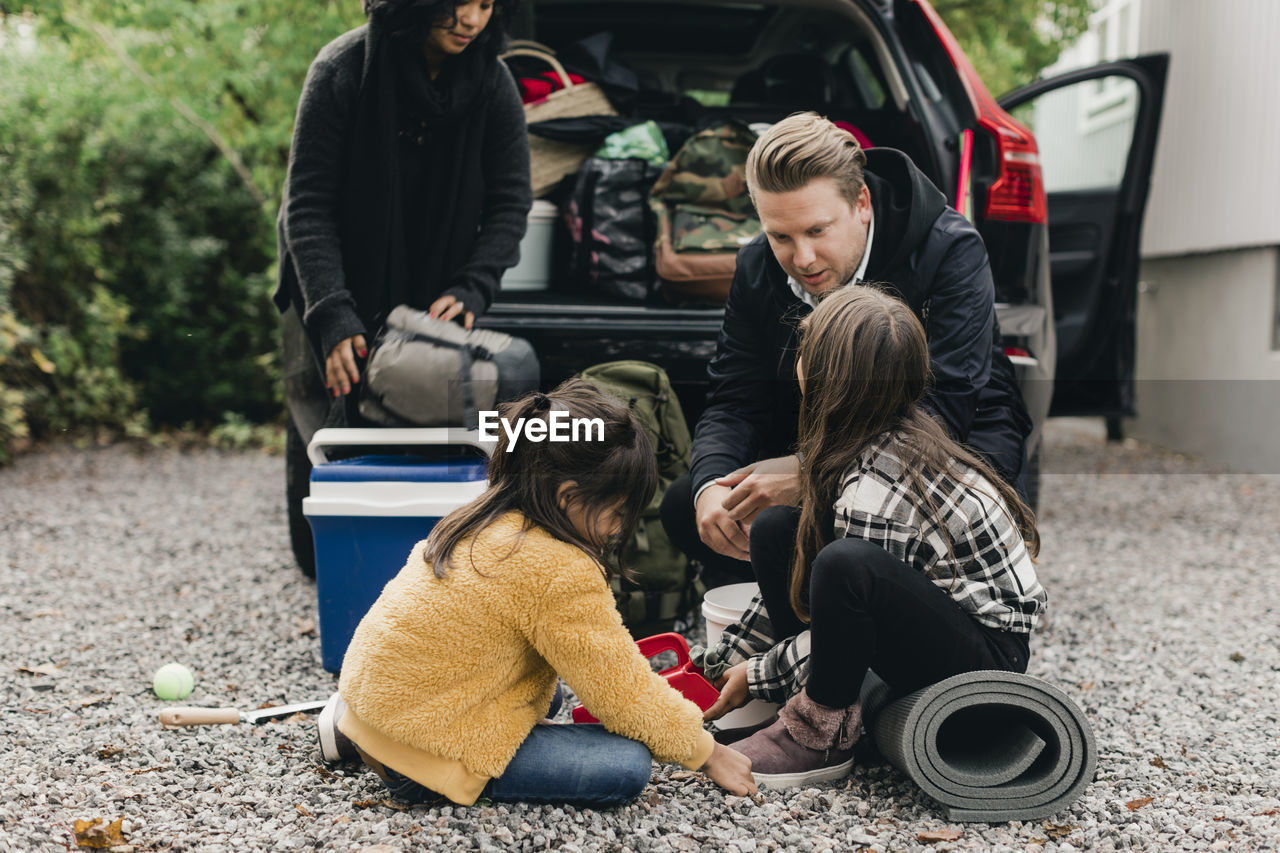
{"points": [[989, 746]]}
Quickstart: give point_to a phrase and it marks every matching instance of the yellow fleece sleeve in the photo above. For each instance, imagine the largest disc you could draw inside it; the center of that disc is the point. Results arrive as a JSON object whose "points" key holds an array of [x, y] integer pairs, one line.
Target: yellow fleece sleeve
{"points": [[575, 626]]}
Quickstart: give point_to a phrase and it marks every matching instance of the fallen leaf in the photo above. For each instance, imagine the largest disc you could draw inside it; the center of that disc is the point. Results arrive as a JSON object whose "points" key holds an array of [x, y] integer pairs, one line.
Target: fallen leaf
{"points": [[95, 700], [1268, 813], [303, 810], [1134, 805], [391, 804], [149, 769], [110, 751], [1088, 685], [40, 669], [1057, 830], [1158, 762], [935, 835], [344, 819], [682, 774], [98, 834]]}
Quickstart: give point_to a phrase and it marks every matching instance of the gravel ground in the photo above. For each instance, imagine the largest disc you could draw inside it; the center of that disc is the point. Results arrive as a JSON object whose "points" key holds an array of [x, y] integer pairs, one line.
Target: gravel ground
{"points": [[1163, 573]]}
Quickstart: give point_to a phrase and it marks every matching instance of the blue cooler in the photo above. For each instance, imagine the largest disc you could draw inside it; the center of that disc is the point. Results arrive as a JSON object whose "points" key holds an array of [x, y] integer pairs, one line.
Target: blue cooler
{"points": [[368, 511]]}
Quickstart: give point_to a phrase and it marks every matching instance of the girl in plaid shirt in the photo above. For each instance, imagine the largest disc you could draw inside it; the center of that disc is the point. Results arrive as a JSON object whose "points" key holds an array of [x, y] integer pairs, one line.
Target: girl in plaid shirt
{"points": [[931, 570]]}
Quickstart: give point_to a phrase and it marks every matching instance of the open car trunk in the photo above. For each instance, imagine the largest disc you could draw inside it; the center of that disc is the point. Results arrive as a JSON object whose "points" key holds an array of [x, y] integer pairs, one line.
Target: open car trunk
{"points": [[696, 64]]}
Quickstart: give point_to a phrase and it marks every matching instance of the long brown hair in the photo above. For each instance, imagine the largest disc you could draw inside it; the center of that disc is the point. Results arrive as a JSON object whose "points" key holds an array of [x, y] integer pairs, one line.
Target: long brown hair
{"points": [[864, 364], [618, 468]]}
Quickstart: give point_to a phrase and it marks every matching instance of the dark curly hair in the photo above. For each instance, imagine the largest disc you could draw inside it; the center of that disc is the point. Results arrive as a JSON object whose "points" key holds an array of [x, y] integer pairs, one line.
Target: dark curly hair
{"points": [[412, 19]]}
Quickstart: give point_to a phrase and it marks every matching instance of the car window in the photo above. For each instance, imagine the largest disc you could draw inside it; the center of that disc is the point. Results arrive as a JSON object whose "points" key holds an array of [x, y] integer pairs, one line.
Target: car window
{"points": [[1084, 132], [865, 78]]}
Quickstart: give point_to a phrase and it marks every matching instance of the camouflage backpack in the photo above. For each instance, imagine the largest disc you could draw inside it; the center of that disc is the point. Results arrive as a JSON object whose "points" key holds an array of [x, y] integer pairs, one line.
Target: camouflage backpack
{"points": [[704, 214], [662, 586]]}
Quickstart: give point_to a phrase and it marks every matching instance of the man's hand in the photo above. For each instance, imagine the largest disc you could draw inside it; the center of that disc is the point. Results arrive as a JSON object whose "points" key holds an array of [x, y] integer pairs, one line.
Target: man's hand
{"points": [[731, 770], [720, 532], [447, 307], [340, 365], [760, 485], [733, 692]]}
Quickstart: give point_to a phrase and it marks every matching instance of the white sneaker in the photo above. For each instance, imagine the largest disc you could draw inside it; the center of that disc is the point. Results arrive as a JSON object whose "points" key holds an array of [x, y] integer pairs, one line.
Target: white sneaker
{"points": [[334, 745]]}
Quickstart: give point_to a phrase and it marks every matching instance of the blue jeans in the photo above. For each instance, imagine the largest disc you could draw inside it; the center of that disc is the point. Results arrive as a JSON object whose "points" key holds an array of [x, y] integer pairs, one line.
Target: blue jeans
{"points": [[581, 764]]}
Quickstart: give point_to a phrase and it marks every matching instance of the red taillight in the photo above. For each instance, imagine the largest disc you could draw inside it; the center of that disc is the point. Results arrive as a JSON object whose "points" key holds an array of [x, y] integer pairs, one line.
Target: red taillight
{"points": [[1017, 195], [1016, 352]]}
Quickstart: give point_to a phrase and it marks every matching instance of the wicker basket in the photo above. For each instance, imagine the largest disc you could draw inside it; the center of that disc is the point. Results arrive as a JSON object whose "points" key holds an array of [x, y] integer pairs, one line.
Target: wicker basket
{"points": [[550, 160]]}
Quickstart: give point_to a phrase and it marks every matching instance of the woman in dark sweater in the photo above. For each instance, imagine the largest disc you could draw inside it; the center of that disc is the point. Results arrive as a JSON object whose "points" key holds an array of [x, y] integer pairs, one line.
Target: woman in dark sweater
{"points": [[408, 184]]}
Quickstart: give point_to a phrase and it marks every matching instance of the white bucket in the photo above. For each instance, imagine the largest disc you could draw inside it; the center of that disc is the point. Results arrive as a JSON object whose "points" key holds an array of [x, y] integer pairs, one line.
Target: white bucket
{"points": [[722, 607], [534, 270]]}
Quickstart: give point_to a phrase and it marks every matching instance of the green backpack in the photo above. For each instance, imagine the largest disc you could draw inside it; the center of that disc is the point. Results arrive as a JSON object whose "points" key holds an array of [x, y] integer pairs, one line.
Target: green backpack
{"points": [[662, 586]]}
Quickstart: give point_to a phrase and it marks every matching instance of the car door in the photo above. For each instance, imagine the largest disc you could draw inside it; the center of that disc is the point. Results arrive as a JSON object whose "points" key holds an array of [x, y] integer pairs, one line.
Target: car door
{"points": [[1096, 129]]}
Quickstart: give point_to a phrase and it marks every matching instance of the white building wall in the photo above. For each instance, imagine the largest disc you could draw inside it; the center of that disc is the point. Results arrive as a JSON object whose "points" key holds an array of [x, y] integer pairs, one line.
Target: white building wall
{"points": [[1208, 373], [1208, 326], [1217, 174]]}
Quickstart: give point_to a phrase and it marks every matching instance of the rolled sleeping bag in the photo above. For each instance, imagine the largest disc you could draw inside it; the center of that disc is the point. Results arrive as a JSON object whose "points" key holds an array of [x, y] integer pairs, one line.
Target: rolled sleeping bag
{"points": [[989, 746]]}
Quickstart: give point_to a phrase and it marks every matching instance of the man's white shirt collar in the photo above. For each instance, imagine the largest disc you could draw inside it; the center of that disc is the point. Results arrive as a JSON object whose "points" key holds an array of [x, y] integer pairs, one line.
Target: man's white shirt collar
{"points": [[811, 300]]}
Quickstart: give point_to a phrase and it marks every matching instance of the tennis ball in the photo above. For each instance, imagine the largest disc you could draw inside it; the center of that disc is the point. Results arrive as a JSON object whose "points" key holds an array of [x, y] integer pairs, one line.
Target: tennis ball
{"points": [[173, 681]]}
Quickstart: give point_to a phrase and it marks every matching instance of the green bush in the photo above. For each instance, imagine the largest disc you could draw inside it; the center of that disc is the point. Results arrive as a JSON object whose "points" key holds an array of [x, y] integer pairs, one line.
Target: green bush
{"points": [[134, 265]]}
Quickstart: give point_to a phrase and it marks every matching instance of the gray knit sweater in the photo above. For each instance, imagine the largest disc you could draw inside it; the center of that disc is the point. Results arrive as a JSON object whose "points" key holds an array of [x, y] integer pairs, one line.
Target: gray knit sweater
{"points": [[307, 229]]}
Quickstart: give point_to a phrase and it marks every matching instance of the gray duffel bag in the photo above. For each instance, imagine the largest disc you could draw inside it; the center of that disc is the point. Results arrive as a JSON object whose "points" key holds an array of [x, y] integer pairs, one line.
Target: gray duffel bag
{"points": [[433, 373]]}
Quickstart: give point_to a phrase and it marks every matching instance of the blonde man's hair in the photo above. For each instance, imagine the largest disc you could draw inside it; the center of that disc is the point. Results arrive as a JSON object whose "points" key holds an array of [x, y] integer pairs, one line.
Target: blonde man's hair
{"points": [[800, 148]]}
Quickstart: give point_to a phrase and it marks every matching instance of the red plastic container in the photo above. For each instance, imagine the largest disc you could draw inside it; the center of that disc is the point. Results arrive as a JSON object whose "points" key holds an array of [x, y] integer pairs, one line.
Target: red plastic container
{"points": [[684, 676]]}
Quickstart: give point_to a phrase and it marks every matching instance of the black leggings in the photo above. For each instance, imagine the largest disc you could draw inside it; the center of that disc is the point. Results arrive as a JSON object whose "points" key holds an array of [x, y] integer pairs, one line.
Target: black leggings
{"points": [[868, 609]]}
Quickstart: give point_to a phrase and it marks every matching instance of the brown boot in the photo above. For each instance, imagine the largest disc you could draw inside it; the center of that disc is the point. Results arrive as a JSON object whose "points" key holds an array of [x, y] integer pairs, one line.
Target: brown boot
{"points": [[809, 743]]}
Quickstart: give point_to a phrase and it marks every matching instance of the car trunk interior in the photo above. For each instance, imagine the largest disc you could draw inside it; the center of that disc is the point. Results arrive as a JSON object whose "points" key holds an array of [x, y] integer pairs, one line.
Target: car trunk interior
{"points": [[758, 62], [699, 63]]}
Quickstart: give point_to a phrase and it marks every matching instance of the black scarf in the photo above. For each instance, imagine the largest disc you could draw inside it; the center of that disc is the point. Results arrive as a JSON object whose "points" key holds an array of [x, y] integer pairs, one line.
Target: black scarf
{"points": [[430, 131]]}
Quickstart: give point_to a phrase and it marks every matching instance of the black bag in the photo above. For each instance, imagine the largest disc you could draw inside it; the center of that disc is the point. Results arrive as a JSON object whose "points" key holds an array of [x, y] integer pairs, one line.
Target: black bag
{"points": [[612, 228]]}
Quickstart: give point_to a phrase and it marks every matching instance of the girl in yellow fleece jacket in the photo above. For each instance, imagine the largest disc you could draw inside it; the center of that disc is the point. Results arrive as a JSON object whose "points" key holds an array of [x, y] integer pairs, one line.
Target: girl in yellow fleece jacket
{"points": [[449, 675]]}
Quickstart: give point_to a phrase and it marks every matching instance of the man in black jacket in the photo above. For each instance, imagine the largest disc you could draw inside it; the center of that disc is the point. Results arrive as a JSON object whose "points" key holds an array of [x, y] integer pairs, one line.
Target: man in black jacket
{"points": [[834, 215]]}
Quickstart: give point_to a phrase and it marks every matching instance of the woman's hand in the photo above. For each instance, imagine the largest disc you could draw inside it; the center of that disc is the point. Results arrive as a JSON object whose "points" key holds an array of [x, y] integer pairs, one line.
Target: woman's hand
{"points": [[733, 692], [731, 770], [447, 307], [340, 366]]}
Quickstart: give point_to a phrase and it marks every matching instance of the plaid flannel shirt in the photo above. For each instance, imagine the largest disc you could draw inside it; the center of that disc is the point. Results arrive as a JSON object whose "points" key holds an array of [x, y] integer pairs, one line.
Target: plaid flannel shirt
{"points": [[988, 571]]}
